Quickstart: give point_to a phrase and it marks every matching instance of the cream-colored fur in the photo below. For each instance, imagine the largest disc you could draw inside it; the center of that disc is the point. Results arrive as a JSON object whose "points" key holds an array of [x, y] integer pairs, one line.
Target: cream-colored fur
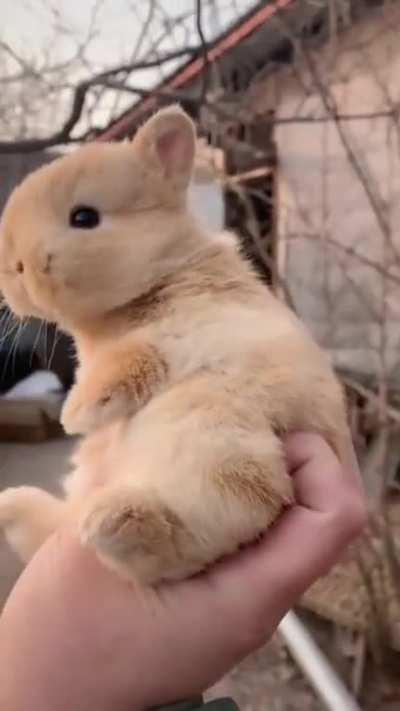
{"points": [[190, 369]]}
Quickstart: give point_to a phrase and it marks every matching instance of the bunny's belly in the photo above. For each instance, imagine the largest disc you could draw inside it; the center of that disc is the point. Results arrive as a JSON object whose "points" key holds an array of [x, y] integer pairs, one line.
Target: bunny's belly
{"points": [[94, 461], [186, 481]]}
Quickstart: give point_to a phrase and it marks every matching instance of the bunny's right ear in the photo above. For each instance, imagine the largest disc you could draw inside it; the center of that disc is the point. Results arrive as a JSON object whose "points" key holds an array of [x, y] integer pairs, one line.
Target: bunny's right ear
{"points": [[166, 142]]}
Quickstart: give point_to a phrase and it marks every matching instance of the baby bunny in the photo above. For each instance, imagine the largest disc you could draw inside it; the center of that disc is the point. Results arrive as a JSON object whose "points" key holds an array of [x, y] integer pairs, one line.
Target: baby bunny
{"points": [[189, 371]]}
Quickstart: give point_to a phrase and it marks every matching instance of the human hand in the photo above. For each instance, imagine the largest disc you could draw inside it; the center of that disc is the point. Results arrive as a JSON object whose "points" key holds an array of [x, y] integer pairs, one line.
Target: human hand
{"points": [[74, 636]]}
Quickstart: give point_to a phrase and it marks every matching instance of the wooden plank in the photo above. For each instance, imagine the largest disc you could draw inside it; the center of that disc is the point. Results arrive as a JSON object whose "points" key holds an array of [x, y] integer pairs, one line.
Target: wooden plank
{"points": [[249, 175], [30, 420]]}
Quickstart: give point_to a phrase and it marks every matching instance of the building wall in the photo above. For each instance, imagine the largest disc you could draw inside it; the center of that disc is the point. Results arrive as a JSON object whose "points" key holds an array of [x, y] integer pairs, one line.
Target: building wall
{"points": [[351, 308], [15, 166]]}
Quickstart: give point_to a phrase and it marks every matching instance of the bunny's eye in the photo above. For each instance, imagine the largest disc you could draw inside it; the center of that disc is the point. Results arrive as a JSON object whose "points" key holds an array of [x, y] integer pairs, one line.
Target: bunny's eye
{"points": [[84, 217]]}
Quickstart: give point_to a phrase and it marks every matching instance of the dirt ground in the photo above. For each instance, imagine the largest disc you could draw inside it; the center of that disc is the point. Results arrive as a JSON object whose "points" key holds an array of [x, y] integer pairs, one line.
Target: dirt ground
{"points": [[268, 680]]}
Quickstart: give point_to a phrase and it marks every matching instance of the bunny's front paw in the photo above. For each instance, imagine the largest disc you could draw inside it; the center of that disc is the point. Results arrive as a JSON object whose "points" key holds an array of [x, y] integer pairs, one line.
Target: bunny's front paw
{"points": [[117, 386], [85, 411]]}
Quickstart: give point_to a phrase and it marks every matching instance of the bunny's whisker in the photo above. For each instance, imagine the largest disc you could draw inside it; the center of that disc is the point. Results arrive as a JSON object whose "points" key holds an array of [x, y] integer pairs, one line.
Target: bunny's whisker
{"points": [[10, 327], [10, 354], [36, 341], [53, 348], [14, 349]]}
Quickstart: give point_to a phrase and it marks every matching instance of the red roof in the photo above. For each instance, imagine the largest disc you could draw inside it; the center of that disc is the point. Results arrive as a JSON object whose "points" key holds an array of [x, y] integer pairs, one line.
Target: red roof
{"points": [[193, 69]]}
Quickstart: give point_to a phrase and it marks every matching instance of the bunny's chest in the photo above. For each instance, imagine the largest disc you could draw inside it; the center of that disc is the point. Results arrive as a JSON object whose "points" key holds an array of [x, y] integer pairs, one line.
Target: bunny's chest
{"points": [[219, 338]]}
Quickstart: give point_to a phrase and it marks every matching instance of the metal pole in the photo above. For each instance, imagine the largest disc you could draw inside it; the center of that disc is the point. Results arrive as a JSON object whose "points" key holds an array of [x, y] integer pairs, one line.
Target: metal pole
{"points": [[315, 666]]}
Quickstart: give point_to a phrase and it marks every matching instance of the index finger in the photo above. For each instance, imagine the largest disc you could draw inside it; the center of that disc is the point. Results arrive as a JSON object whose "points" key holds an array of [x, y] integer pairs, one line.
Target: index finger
{"points": [[320, 480], [304, 543]]}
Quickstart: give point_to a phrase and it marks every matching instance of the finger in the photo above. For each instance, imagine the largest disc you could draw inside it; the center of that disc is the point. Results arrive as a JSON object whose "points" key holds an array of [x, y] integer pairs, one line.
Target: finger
{"points": [[303, 444], [301, 547], [321, 482], [305, 542], [246, 597]]}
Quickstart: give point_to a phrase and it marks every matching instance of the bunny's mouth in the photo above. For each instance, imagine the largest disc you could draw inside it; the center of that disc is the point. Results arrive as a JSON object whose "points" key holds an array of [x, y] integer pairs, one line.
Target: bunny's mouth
{"points": [[48, 263], [21, 298]]}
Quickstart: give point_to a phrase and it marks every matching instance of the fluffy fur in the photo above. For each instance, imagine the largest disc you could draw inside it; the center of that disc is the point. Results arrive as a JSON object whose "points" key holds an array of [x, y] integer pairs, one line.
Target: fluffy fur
{"points": [[190, 369]]}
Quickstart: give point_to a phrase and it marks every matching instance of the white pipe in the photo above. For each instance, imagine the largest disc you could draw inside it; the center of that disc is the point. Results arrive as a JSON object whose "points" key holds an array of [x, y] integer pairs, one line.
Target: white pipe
{"points": [[315, 666]]}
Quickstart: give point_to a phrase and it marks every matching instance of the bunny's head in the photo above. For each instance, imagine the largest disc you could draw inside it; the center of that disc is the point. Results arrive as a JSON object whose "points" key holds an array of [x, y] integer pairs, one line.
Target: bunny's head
{"points": [[88, 233]]}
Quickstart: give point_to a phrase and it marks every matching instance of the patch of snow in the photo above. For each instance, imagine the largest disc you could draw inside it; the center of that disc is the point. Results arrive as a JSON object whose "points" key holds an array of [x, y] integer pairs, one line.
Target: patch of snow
{"points": [[206, 202], [38, 384]]}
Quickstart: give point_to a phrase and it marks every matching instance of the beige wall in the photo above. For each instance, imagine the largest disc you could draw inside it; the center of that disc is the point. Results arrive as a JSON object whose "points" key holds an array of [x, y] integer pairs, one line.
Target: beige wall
{"points": [[321, 198]]}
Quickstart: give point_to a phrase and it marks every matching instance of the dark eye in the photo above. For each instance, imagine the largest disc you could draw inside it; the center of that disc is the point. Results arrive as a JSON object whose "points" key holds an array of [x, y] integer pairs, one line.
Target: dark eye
{"points": [[84, 217]]}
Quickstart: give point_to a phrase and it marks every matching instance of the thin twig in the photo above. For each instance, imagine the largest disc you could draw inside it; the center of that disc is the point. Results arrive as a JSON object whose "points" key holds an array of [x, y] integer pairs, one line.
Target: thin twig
{"points": [[355, 254], [63, 135], [205, 68]]}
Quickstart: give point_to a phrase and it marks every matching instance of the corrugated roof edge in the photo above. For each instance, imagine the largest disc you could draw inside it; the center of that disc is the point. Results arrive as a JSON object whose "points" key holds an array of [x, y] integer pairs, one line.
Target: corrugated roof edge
{"points": [[248, 24]]}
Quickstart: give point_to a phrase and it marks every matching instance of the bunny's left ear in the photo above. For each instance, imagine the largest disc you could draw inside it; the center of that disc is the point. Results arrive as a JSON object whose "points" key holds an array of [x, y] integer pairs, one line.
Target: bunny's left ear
{"points": [[166, 142]]}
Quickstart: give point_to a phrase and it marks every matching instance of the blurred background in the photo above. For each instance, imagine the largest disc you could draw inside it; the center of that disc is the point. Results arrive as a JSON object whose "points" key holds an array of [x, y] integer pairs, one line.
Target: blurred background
{"points": [[297, 106]]}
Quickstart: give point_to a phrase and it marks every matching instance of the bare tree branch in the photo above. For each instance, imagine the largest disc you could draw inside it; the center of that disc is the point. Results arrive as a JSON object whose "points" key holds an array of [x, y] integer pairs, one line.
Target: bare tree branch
{"points": [[200, 31], [361, 171], [63, 135], [353, 253]]}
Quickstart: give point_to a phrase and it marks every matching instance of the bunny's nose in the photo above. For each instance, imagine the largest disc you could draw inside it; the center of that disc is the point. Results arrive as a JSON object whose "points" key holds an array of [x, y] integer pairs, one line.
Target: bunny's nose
{"points": [[19, 267]]}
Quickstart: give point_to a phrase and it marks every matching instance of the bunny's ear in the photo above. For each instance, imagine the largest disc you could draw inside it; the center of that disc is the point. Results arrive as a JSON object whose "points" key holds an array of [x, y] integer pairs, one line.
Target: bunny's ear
{"points": [[167, 143]]}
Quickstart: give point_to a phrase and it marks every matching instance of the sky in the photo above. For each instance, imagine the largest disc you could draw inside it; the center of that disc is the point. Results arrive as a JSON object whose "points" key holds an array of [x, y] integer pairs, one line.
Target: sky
{"points": [[35, 29], [30, 25]]}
